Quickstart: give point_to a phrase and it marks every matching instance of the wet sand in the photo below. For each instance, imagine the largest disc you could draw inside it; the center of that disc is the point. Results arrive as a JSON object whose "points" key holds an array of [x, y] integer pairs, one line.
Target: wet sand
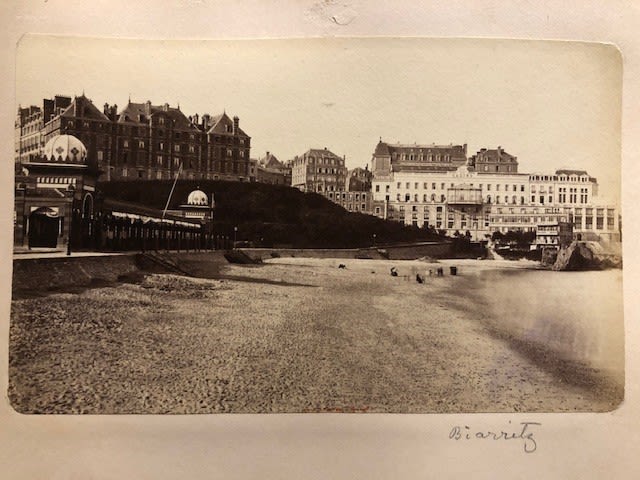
{"points": [[329, 340]]}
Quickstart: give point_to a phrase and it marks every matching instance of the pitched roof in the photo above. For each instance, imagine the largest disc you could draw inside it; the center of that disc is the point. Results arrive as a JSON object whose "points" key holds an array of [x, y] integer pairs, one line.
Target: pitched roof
{"points": [[219, 124], [84, 108], [141, 112], [270, 161]]}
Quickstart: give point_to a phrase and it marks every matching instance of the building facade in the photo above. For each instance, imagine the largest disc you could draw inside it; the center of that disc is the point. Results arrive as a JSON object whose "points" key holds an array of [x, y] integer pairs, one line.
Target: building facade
{"points": [[52, 189], [467, 197], [319, 170], [142, 141], [272, 171]]}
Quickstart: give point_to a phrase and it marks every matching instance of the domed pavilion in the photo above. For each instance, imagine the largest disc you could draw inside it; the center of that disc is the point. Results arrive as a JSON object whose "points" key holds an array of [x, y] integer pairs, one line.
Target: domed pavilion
{"points": [[53, 187]]}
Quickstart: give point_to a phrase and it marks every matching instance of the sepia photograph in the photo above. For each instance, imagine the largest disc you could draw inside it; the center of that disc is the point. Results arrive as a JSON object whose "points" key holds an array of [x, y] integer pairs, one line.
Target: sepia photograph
{"points": [[327, 225]]}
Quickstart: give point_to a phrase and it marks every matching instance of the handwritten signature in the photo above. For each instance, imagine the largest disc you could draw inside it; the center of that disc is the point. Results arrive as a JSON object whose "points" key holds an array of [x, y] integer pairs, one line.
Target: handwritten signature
{"points": [[523, 431]]}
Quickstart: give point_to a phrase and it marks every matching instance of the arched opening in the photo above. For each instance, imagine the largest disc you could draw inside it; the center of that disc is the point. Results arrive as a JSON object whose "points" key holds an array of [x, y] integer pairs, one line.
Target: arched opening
{"points": [[44, 225]]}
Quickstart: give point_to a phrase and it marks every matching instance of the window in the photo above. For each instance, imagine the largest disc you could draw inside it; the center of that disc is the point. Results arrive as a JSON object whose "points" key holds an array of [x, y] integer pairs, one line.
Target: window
{"points": [[176, 148], [161, 146], [161, 121], [377, 188], [125, 143], [100, 155]]}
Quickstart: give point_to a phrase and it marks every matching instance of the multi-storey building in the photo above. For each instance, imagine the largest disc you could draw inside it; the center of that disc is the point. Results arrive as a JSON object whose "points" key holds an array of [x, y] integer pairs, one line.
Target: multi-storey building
{"points": [[143, 141], [359, 180], [271, 170], [319, 170], [29, 127], [358, 201], [470, 198]]}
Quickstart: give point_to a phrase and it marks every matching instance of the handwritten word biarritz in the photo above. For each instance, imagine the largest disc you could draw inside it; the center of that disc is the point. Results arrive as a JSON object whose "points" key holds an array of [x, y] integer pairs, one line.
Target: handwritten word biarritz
{"points": [[524, 433]]}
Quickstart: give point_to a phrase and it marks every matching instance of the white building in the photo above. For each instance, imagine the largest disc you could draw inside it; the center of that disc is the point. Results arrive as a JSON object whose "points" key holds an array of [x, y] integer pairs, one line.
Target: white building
{"points": [[455, 196]]}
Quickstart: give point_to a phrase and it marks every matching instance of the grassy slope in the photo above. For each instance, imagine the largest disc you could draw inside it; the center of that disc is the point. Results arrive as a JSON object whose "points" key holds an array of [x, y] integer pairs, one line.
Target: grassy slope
{"points": [[275, 214]]}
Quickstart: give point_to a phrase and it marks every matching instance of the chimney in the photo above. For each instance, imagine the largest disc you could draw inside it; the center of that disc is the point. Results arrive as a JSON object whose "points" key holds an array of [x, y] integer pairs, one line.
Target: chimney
{"points": [[205, 121], [106, 109], [147, 108], [196, 119], [236, 123], [464, 148], [165, 107]]}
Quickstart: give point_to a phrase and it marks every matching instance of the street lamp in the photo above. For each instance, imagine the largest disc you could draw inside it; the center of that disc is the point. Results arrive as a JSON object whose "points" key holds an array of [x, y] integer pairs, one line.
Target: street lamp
{"points": [[71, 189], [374, 239], [235, 236]]}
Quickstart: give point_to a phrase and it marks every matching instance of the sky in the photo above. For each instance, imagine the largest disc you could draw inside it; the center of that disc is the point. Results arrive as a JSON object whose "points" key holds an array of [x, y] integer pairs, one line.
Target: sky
{"points": [[552, 104]]}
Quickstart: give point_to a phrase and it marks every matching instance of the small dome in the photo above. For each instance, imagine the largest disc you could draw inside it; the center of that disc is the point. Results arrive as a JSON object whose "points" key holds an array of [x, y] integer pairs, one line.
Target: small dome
{"points": [[65, 148], [197, 197]]}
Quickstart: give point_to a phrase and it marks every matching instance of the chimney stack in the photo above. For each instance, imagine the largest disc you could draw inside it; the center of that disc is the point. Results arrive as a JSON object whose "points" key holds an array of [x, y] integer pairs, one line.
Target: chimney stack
{"points": [[106, 109], [236, 123]]}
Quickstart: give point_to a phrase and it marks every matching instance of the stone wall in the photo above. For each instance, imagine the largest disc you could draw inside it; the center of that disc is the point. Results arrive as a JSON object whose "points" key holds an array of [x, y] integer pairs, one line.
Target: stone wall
{"points": [[42, 274]]}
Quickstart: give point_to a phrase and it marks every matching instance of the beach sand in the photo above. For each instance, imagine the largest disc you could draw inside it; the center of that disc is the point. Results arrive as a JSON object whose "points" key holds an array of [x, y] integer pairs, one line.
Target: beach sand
{"points": [[331, 339]]}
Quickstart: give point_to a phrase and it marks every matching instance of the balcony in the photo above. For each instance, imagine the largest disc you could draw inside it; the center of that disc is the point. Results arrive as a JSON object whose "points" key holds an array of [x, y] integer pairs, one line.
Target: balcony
{"points": [[464, 195]]}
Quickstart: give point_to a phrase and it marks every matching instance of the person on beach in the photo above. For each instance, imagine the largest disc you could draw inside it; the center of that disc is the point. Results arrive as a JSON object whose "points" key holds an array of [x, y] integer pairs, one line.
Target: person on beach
{"points": [[394, 272], [419, 278]]}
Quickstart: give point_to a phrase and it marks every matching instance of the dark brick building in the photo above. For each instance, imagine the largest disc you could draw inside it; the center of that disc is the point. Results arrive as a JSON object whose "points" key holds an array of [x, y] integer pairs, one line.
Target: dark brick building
{"points": [[143, 141]]}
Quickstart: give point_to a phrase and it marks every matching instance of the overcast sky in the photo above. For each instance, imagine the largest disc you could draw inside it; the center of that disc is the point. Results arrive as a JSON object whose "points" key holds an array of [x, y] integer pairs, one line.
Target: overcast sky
{"points": [[551, 104]]}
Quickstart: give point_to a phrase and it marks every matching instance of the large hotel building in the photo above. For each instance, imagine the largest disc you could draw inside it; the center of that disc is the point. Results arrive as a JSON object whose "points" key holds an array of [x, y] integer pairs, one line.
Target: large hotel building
{"points": [[438, 186], [140, 142]]}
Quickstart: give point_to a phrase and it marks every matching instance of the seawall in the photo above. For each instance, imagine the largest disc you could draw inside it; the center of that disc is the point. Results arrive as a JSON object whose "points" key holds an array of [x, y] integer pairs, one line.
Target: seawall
{"points": [[42, 274], [39, 275], [391, 252]]}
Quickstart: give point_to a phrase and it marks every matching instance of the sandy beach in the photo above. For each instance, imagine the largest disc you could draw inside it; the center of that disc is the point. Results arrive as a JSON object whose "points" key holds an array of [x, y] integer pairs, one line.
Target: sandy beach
{"points": [[331, 339]]}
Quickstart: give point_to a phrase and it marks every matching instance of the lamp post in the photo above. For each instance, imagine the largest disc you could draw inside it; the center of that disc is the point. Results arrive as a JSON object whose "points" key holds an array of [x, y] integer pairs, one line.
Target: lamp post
{"points": [[71, 190], [374, 240], [235, 236]]}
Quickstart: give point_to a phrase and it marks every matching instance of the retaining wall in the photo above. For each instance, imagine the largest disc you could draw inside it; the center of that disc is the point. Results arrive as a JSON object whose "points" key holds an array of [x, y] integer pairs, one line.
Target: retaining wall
{"points": [[41, 274], [394, 252]]}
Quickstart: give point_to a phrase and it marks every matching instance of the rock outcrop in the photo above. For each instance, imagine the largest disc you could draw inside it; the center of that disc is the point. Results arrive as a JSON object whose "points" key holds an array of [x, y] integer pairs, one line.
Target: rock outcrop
{"points": [[586, 256]]}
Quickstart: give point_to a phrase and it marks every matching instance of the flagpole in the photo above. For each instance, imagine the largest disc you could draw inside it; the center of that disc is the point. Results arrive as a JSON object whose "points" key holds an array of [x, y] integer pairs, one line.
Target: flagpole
{"points": [[164, 212]]}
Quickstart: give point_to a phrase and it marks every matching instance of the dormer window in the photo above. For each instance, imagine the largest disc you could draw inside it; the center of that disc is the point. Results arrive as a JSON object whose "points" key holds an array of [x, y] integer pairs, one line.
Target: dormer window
{"points": [[160, 120]]}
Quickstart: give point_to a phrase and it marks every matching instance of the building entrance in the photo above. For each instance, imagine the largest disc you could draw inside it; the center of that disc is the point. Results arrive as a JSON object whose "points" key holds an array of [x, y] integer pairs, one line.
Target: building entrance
{"points": [[44, 225]]}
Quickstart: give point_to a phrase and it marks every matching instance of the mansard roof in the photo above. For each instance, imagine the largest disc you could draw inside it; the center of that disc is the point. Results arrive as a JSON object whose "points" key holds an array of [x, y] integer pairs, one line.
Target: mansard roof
{"points": [[569, 172], [321, 152], [456, 152], [493, 155]]}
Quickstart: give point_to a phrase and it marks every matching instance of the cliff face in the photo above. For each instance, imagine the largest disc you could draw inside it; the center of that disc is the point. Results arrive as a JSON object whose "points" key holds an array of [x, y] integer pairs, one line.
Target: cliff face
{"points": [[586, 256]]}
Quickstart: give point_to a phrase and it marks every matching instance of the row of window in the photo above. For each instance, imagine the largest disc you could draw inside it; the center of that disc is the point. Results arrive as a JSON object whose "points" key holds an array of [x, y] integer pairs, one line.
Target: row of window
{"points": [[434, 186], [559, 178], [421, 158]]}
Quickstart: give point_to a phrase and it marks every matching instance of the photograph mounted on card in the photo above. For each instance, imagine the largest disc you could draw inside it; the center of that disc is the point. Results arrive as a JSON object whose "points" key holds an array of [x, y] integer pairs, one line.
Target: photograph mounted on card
{"points": [[343, 225]]}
